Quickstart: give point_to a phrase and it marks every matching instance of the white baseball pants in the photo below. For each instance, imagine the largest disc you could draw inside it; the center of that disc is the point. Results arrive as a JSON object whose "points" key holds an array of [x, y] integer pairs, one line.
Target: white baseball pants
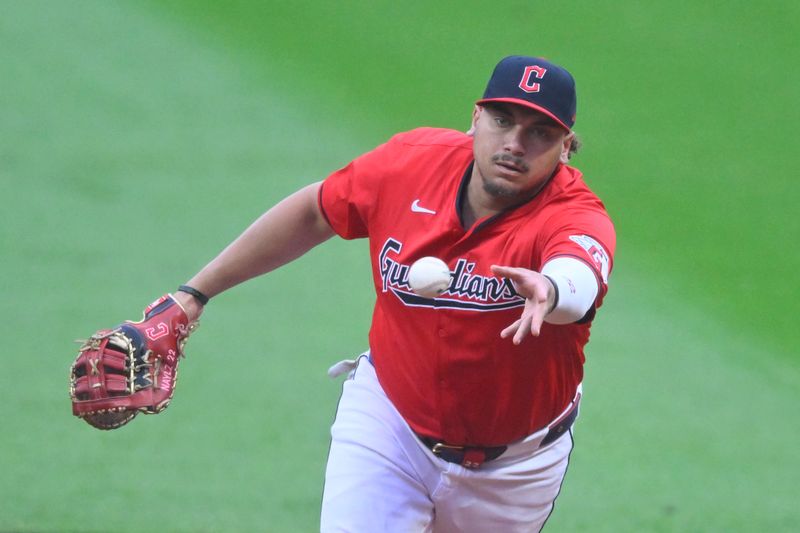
{"points": [[381, 478]]}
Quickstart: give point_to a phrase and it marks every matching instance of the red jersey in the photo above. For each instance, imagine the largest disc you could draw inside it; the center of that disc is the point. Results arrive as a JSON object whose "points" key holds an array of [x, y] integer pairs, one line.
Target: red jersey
{"points": [[441, 361]]}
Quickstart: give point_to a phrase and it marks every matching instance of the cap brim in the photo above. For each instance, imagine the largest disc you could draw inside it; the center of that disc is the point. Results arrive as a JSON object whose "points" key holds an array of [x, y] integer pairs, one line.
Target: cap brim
{"points": [[527, 104]]}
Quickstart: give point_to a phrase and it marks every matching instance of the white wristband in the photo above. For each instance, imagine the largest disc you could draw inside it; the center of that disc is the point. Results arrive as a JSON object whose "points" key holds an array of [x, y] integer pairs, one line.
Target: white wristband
{"points": [[577, 288]]}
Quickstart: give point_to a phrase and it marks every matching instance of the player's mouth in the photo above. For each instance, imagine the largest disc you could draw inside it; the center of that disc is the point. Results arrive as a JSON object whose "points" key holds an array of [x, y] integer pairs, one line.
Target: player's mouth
{"points": [[510, 163]]}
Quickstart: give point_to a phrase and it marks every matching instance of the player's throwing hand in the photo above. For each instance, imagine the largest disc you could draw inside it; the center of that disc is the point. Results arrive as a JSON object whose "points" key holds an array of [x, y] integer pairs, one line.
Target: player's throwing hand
{"points": [[539, 295]]}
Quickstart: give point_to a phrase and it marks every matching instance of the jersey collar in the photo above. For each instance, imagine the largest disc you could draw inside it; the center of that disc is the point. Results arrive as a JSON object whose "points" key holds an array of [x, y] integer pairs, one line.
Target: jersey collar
{"points": [[521, 208]]}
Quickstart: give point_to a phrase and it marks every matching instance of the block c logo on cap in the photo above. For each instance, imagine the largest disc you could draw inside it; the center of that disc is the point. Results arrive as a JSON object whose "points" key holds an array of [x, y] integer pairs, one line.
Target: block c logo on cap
{"points": [[525, 83]]}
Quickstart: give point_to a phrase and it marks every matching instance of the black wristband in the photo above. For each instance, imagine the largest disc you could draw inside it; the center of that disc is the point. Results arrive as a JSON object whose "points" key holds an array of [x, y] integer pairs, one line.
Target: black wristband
{"points": [[555, 297], [202, 298]]}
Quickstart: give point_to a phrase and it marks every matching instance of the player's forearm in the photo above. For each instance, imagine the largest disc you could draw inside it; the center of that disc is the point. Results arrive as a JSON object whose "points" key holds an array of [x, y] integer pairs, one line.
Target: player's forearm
{"points": [[282, 234]]}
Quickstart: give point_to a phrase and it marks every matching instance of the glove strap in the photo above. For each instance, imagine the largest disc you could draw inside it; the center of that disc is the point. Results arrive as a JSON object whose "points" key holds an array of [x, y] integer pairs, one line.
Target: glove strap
{"points": [[202, 298]]}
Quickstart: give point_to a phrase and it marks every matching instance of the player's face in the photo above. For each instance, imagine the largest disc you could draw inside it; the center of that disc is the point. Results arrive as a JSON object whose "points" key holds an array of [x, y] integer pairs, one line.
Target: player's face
{"points": [[516, 150]]}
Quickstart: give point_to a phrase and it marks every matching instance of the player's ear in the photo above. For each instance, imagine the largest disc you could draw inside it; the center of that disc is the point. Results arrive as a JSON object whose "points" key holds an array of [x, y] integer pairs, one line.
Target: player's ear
{"points": [[565, 146], [475, 113]]}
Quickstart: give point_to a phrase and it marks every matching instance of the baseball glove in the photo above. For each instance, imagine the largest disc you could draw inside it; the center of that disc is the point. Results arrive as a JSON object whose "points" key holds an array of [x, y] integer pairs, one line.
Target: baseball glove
{"points": [[130, 369]]}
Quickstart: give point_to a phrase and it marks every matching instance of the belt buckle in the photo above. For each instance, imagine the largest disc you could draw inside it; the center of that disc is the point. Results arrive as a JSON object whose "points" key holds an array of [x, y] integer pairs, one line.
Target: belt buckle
{"points": [[440, 447], [461, 455]]}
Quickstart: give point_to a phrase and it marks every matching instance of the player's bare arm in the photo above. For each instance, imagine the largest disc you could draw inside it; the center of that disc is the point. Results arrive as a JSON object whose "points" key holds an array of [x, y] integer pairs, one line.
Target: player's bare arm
{"points": [[285, 232]]}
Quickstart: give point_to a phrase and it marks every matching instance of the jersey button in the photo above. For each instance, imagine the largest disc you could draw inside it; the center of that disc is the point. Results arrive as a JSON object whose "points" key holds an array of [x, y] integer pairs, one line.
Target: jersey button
{"points": [[442, 333]]}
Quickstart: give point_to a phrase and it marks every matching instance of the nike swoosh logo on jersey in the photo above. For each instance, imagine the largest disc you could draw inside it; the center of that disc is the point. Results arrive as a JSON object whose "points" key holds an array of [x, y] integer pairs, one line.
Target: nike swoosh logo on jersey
{"points": [[416, 208]]}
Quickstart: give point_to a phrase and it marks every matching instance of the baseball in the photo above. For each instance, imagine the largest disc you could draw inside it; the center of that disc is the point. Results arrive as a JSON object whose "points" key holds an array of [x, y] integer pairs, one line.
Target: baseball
{"points": [[429, 277]]}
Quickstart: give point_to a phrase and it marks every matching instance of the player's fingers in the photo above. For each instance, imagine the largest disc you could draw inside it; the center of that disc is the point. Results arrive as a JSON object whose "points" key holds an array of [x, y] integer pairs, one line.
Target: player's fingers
{"points": [[537, 318], [510, 330], [524, 280], [532, 317], [523, 328], [515, 275], [509, 272]]}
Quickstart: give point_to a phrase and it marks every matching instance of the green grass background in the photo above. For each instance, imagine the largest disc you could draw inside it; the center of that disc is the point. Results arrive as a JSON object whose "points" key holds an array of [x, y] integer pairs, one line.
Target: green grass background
{"points": [[137, 138]]}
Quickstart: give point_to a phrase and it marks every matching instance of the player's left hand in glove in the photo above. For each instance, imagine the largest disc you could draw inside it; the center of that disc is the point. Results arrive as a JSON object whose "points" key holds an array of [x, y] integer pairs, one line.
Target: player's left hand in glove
{"points": [[132, 368]]}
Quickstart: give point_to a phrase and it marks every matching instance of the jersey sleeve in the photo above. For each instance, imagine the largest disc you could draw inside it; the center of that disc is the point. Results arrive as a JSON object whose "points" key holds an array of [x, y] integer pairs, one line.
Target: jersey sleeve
{"points": [[587, 235], [349, 197]]}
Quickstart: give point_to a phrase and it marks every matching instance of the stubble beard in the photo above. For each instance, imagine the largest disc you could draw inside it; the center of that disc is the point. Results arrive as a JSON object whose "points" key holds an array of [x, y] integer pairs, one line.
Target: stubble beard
{"points": [[497, 190]]}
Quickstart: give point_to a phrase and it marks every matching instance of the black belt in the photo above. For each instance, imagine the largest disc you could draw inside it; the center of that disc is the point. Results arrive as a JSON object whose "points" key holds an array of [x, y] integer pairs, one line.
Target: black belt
{"points": [[466, 456], [475, 456], [561, 426]]}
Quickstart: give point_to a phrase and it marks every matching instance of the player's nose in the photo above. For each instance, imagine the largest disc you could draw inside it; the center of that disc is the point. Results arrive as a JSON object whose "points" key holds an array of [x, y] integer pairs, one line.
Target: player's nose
{"points": [[513, 142]]}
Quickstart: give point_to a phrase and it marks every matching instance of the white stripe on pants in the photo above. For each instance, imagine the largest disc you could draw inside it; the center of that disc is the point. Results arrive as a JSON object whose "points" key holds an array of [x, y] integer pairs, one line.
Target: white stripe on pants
{"points": [[380, 478]]}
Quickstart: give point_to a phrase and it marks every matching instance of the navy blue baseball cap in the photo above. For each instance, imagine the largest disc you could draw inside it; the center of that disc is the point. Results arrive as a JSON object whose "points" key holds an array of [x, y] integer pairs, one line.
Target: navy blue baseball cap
{"points": [[535, 83]]}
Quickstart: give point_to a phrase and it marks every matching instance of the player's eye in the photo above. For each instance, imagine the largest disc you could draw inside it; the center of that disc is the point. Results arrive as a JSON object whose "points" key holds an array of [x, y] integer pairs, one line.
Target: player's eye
{"points": [[502, 121], [541, 133]]}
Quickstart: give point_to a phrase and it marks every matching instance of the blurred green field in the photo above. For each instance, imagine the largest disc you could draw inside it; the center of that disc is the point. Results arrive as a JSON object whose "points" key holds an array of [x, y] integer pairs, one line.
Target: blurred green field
{"points": [[137, 138]]}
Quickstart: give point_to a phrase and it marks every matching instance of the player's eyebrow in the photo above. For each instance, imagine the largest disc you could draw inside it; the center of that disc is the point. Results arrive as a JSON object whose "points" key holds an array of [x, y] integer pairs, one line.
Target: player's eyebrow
{"points": [[539, 119], [498, 107]]}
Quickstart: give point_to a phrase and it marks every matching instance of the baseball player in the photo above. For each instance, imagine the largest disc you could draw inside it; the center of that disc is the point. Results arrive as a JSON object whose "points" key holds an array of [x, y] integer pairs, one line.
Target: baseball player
{"points": [[459, 415]]}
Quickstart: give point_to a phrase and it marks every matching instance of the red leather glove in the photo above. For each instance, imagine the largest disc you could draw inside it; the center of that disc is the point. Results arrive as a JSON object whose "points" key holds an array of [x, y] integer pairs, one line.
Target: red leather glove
{"points": [[132, 368]]}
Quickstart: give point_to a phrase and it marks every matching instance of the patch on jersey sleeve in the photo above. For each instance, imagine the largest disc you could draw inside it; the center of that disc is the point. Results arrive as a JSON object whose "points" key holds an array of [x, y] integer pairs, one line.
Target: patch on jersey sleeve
{"points": [[596, 252]]}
